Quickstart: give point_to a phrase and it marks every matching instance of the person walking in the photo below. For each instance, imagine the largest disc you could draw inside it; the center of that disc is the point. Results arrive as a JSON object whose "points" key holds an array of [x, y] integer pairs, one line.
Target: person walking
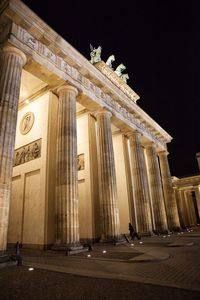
{"points": [[133, 233]]}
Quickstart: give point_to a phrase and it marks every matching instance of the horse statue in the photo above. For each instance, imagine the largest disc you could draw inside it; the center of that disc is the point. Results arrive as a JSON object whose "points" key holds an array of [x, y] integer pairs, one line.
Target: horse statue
{"points": [[124, 77], [110, 60], [120, 69], [95, 54]]}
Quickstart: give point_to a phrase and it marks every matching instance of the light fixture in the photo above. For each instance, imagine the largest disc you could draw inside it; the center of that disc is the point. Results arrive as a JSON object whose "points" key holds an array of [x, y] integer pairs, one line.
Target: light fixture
{"points": [[27, 101], [30, 269]]}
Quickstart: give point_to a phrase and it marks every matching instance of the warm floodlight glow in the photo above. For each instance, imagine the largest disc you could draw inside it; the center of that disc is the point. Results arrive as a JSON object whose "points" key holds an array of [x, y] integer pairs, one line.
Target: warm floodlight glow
{"points": [[89, 255], [141, 242], [27, 101], [132, 244], [104, 251], [30, 269]]}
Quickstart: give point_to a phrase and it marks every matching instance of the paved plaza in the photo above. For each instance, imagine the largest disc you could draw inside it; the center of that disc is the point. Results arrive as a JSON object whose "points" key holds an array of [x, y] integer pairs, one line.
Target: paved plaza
{"points": [[158, 268]]}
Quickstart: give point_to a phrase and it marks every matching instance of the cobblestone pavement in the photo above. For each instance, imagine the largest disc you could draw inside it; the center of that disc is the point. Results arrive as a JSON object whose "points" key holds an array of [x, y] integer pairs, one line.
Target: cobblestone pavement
{"points": [[181, 269], [162, 267], [17, 283]]}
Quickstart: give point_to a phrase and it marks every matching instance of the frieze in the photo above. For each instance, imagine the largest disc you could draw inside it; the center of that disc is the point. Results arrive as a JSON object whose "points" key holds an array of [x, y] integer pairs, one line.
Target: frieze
{"points": [[27, 153], [50, 55], [41, 49], [80, 162], [86, 83]]}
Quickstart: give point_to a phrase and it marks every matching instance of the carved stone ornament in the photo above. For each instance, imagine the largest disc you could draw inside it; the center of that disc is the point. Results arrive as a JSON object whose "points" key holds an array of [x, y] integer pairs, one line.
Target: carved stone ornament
{"points": [[27, 152], [80, 162], [27, 123]]}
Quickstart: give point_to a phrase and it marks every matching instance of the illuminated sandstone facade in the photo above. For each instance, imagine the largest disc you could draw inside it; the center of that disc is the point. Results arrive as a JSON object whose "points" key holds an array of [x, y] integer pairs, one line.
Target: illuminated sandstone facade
{"points": [[187, 193], [86, 160]]}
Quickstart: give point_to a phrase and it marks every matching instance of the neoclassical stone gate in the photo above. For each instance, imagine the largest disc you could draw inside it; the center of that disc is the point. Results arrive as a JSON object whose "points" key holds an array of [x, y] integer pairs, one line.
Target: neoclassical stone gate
{"points": [[28, 43]]}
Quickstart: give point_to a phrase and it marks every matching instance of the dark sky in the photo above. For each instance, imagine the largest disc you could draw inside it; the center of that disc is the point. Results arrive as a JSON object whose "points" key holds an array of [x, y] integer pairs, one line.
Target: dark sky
{"points": [[159, 43]]}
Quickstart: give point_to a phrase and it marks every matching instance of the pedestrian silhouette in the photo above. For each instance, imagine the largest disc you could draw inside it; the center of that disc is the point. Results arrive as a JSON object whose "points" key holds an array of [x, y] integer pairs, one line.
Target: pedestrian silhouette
{"points": [[133, 233]]}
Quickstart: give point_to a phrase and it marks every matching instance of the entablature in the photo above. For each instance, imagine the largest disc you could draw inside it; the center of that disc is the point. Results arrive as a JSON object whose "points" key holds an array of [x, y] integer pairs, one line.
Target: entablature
{"points": [[40, 43], [190, 181]]}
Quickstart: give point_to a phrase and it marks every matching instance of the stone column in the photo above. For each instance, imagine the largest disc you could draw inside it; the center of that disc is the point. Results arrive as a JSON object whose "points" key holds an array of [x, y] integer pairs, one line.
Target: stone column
{"points": [[197, 195], [67, 224], [12, 61], [107, 177], [139, 177], [190, 208], [170, 201], [181, 207], [156, 192], [185, 209]]}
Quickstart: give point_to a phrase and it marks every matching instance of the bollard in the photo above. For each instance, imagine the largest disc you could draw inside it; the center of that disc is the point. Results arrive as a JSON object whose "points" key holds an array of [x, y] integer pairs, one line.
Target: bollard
{"points": [[18, 256], [17, 248]]}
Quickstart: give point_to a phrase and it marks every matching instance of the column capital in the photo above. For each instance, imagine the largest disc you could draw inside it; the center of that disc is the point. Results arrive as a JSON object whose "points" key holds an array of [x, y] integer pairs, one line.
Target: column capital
{"points": [[163, 153], [133, 134], [68, 88], [16, 51], [103, 111], [149, 144]]}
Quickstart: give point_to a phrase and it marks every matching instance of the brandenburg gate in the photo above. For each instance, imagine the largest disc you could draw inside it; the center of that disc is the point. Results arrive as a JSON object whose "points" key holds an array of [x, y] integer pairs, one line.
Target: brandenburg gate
{"points": [[79, 158]]}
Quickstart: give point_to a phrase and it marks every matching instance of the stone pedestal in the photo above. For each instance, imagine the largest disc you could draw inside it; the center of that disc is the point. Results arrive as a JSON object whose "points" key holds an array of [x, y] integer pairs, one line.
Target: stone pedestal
{"points": [[156, 191], [169, 196], [139, 177], [107, 178], [67, 223], [12, 61]]}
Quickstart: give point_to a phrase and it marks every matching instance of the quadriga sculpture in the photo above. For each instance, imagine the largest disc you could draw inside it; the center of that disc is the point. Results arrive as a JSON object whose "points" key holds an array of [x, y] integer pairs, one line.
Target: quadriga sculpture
{"points": [[110, 60], [124, 77], [120, 69], [95, 54]]}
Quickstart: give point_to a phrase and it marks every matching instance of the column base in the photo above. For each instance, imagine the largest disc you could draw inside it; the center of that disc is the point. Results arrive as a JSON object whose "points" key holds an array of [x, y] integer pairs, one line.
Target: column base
{"points": [[147, 233], [175, 229], [70, 249], [160, 232], [4, 257], [116, 240]]}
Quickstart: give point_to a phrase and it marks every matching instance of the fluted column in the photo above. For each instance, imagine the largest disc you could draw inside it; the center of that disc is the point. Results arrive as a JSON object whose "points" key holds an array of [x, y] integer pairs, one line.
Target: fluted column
{"points": [[190, 208], [156, 192], [181, 208], [185, 209], [107, 177], [197, 195], [139, 177], [67, 223], [170, 201], [12, 61]]}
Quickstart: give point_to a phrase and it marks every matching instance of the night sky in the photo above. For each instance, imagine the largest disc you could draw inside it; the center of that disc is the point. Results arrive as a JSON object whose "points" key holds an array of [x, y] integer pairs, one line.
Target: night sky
{"points": [[159, 43]]}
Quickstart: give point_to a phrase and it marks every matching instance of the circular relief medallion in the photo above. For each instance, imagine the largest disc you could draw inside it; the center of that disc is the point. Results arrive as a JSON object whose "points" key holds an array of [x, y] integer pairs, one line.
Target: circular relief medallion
{"points": [[27, 122]]}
